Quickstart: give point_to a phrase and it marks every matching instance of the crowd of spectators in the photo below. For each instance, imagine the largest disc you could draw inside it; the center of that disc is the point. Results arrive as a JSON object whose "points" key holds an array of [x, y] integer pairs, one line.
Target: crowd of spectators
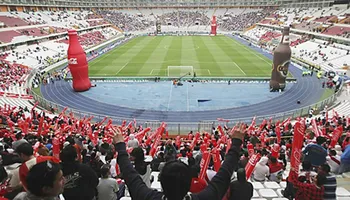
{"points": [[241, 21], [125, 21], [183, 18], [11, 74], [87, 150]]}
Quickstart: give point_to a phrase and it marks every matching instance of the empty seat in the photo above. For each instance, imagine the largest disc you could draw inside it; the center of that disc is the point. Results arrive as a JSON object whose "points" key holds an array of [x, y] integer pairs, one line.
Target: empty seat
{"points": [[255, 194], [271, 185], [257, 185], [283, 184], [268, 193], [125, 198], [342, 192]]}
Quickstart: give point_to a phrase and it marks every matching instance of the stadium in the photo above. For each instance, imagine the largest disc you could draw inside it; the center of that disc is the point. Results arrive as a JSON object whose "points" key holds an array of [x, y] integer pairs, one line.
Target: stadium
{"points": [[191, 77]]}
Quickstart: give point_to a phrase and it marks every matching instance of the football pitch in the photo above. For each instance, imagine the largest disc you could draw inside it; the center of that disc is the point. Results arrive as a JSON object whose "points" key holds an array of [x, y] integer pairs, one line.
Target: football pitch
{"points": [[174, 56]]}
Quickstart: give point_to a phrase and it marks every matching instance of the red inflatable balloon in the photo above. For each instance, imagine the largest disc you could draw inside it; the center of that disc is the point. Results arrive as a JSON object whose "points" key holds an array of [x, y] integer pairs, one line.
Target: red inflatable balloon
{"points": [[77, 63]]}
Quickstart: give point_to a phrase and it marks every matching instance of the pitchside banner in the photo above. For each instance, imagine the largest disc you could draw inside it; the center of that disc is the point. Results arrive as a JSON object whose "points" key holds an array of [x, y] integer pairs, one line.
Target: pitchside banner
{"points": [[298, 138]]}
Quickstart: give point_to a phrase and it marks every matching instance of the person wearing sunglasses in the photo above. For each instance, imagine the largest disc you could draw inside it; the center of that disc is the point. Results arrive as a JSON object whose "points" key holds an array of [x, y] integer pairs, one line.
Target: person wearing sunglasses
{"points": [[45, 181]]}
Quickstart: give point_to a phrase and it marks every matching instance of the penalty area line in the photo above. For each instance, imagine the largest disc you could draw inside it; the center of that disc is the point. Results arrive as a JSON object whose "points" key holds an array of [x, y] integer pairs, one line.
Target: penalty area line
{"points": [[239, 67], [121, 68]]}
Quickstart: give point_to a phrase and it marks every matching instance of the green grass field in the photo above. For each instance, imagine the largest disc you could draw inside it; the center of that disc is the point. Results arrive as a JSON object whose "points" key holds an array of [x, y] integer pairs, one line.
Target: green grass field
{"points": [[218, 56]]}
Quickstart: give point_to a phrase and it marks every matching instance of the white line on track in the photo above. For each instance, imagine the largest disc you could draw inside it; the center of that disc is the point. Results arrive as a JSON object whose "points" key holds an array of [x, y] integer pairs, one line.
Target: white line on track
{"points": [[122, 68], [188, 100], [239, 67], [171, 91], [209, 72]]}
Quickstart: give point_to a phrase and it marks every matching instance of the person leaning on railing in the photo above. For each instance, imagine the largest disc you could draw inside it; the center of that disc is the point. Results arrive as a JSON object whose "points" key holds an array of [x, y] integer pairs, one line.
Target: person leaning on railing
{"points": [[176, 176]]}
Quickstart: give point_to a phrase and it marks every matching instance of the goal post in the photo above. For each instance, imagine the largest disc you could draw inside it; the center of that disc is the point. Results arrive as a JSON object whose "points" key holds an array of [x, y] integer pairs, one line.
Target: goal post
{"points": [[177, 71]]}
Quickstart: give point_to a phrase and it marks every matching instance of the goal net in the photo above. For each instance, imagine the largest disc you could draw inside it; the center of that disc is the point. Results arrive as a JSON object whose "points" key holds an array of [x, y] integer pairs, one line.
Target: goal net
{"points": [[177, 71]]}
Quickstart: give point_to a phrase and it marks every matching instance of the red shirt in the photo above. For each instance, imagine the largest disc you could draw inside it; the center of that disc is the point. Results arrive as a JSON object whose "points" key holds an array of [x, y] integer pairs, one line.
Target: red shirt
{"points": [[275, 167], [25, 167], [197, 185], [306, 191]]}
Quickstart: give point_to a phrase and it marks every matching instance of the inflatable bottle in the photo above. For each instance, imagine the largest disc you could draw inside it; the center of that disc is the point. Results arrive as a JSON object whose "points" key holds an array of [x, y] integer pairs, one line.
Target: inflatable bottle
{"points": [[281, 60], [77, 63]]}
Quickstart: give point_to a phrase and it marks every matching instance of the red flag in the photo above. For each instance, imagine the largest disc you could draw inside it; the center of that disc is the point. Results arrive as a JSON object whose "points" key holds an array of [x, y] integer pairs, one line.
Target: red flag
{"points": [[178, 141], [250, 148], [158, 137], [299, 130], [56, 148], [262, 125], [140, 135], [315, 128], [31, 111], [194, 141], [221, 131], [254, 159], [216, 159], [101, 122], [278, 132], [251, 128], [204, 165], [336, 135], [62, 113]]}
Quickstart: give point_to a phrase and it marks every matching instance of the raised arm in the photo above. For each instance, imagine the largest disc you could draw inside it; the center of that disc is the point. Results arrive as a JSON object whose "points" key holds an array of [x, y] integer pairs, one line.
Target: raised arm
{"points": [[137, 188], [218, 186]]}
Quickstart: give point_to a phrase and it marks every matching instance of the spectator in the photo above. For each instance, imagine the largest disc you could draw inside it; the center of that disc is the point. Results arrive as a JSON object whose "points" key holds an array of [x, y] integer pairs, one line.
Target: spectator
{"points": [[175, 178], [331, 183], [81, 180], [156, 161], [25, 152], [276, 169], [244, 160], [45, 181], [138, 157], [345, 160], [337, 148], [261, 170], [241, 189], [197, 184], [310, 191], [107, 187], [132, 143], [306, 175], [333, 161], [315, 153]]}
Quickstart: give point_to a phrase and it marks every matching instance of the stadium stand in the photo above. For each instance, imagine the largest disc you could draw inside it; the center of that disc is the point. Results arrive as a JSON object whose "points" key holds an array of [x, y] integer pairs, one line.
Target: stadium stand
{"points": [[24, 121]]}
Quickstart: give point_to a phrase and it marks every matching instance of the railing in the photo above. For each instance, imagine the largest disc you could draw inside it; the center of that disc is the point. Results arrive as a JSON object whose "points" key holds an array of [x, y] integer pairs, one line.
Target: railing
{"points": [[181, 128]]}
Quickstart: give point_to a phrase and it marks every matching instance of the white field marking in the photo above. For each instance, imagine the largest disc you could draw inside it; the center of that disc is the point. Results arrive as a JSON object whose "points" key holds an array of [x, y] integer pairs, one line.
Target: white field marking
{"points": [[122, 68], [209, 72], [239, 67], [252, 51], [159, 70], [171, 91], [188, 100]]}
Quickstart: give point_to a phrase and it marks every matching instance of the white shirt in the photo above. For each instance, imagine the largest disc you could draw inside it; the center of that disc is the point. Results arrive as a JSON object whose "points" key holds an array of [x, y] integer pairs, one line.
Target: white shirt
{"points": [[260, 172], [334, 166]]}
